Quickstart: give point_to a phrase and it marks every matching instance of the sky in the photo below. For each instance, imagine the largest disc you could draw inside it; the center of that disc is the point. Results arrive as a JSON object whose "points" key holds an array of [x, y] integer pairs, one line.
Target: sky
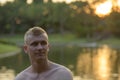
{"points": [[67, 1], [4, 1], [101, 9]]}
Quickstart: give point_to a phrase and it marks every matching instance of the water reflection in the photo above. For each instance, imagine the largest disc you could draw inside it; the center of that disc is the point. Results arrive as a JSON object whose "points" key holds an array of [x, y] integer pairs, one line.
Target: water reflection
{"points": [[86, 63], [99, 63], [102, 61], [6, 74]]}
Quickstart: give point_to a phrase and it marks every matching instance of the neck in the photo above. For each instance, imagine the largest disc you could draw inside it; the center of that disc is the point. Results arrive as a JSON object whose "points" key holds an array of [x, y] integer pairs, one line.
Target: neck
{"points": [[40, 66]]}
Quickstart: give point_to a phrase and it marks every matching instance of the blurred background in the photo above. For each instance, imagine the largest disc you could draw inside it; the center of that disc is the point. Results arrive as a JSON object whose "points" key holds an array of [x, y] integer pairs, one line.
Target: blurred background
{"points": [[84, 35]]}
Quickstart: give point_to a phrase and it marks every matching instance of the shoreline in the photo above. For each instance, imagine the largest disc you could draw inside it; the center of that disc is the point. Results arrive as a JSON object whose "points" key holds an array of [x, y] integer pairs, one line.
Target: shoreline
{"points": [[83, 44], [3, 55]]}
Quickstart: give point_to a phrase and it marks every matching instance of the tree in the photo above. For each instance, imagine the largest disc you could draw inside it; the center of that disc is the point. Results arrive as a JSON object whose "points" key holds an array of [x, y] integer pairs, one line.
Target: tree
{"points": [[82, 19], [38, 1], [113, 27]]}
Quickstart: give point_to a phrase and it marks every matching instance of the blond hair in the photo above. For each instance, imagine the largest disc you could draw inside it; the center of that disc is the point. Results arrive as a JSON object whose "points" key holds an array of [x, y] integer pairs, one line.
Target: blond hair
{"points": [[35, 31]]}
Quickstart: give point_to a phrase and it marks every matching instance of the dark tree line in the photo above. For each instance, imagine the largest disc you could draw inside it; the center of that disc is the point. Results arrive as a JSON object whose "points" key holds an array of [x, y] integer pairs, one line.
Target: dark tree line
{"points": [[77, 17]]}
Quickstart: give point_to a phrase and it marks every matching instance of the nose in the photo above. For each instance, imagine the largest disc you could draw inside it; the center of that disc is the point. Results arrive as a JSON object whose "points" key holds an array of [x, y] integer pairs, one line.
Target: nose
{"points": [[39, 46]]}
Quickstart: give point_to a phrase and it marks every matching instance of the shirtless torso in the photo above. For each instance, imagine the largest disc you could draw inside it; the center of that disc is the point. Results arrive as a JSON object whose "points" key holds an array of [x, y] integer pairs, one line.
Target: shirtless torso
{"points": [[56, 72]]}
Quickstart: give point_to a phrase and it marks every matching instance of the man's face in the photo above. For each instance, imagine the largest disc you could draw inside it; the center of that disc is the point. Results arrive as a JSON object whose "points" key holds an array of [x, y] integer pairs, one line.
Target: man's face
{"points": [[37, 47]]}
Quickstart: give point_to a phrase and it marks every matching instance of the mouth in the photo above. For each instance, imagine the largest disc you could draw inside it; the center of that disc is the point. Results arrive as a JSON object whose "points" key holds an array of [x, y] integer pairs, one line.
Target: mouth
{"points": [[40, 55]]}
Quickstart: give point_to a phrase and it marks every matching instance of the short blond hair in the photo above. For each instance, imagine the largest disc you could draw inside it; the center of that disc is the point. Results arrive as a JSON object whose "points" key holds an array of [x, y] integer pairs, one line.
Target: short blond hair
{"points": [[34, 31]]}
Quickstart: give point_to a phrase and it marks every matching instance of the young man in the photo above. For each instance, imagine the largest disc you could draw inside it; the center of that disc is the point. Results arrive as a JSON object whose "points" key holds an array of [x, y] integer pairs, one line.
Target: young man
{"points": [[37, 47]]}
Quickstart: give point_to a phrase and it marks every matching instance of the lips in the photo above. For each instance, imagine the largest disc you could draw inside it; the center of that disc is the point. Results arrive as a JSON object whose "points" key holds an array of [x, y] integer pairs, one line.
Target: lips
{"points": [[40, 55]]}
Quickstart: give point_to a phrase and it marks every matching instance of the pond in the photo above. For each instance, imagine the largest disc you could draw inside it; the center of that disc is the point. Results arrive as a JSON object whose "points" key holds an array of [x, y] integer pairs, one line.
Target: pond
{"points": [[91, 63]]}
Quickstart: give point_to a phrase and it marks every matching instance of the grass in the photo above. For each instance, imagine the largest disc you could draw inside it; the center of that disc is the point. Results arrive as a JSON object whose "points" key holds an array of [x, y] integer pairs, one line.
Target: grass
{"points": [[12, 39], [54, 38], [112, 41], [61, 38], [4, 48], [70, 38]]}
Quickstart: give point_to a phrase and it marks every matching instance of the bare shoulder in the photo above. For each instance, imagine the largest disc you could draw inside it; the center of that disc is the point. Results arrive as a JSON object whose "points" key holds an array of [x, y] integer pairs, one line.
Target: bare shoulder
{"points": [[61, 72], [22, 75], [60, 68], [64, 74]]}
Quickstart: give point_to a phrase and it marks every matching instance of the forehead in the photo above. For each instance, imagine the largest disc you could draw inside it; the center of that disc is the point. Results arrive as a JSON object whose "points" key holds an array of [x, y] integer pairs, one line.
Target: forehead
{"points": [[41, 37]]}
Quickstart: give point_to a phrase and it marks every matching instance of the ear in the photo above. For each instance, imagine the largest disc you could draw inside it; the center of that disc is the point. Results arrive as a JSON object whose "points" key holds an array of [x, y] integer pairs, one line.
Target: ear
{"points": [[25, 48], [48, 47]]}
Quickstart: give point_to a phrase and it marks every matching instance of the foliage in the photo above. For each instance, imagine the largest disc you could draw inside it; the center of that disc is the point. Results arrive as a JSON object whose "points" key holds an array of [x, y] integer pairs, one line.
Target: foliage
{"points": [[77, 17], [114, 27]]}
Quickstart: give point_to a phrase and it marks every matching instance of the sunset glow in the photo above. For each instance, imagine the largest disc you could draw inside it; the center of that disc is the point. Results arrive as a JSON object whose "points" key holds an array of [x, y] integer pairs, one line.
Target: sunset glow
{"points": [[67, 1], [104, 8], [4, 1], [101, 8], [103, 62], [118, 3], [29, 1]]}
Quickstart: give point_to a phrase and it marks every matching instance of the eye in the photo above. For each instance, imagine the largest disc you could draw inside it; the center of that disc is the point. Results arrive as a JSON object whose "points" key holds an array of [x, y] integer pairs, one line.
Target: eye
{"points": [[43, 42], [34, 44]]}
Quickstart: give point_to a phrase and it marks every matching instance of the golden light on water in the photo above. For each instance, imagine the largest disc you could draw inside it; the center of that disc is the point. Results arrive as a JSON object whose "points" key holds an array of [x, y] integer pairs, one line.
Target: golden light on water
{"points": [[103, 63], [98, 63], [103, 66]]}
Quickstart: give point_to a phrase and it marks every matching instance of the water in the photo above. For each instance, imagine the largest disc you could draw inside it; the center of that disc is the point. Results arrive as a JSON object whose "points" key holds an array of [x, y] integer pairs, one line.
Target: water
{"points": [[90, 63]]}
